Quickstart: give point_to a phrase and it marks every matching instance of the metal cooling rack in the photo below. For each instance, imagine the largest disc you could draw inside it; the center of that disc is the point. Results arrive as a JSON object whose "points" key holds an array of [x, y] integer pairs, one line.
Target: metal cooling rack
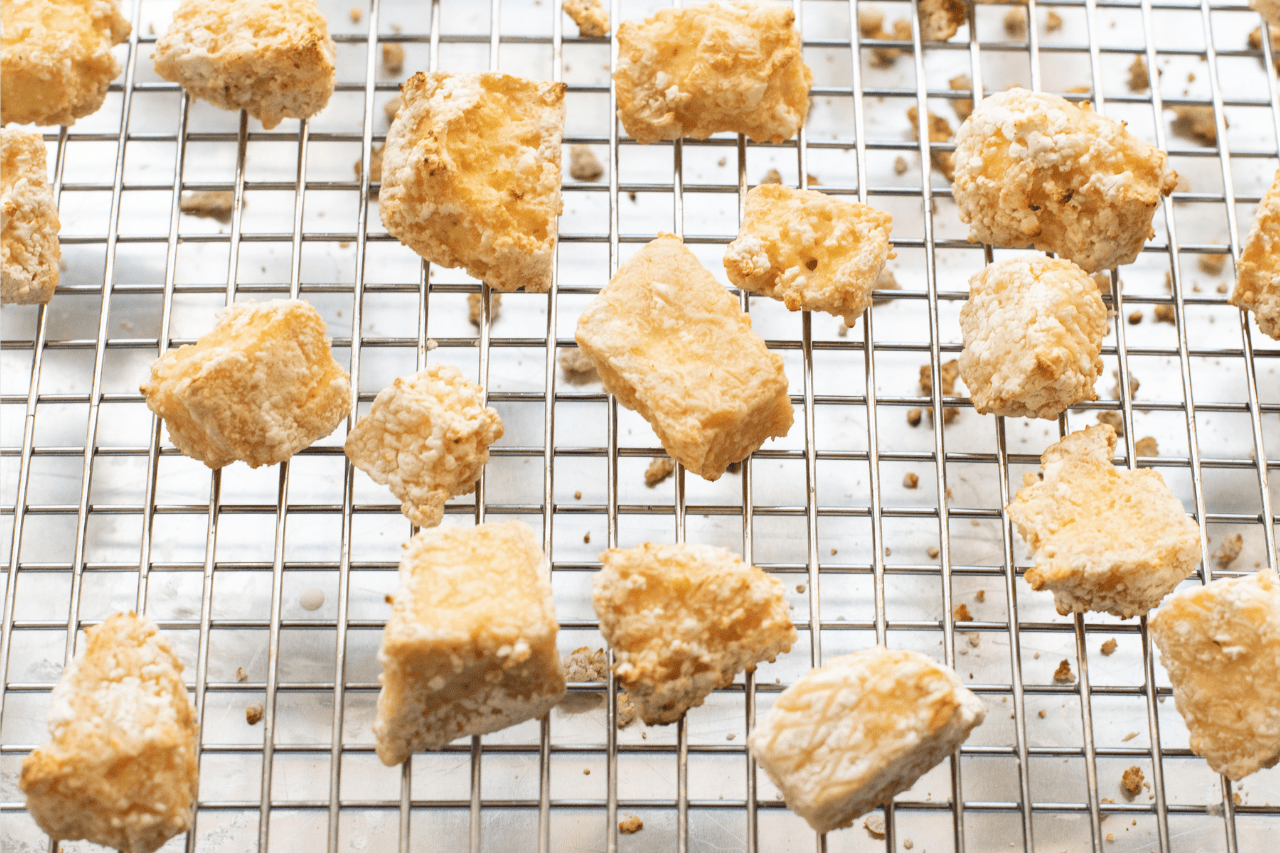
{"points": [[103, 515]]}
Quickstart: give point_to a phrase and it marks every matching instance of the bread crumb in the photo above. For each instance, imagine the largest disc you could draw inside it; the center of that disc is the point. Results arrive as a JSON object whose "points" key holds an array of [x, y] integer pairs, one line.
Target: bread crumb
{"points": [[910, 481], [627, 712], [1165, 314], [659, 470], [357, 14], [908, 843], [1135, 318], [1130, 736], [961, 613], [1131, 781], [578, 369], [474, 308], [1139, 77], [1111, 836], [1042, 713], [577, 496], [886, 281], [1255, 42], [392, 57], [241, 675], [730, 736], [586, 537], [1015, 22], [389, 598], [1054, 22], [1211, 264], [939, 131], [1195, 122], [1222, 288], [800, 587], [392, 107], [590, 15], [1146, 446], [962, 106], [932, 551], [874, 824], [1229, 550], [773, 176], [253, 713], [1236, 798], [1063, 674], [210, 204], [586, 771], [1115, 420], [1109, 647], [980, 595], [950, 372], [913, 417], [974, 638], [583, 164], [630, 824]]}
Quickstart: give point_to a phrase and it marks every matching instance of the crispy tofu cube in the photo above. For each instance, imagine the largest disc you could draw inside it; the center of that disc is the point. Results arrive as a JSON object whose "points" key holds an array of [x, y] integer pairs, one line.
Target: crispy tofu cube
{"points": [[1035, 170], [120, 768], [259, 387], [470, 647], [1221, 645], [1104, 538], [711, 68], [1258, 275], [670, 343], [29, 250], [941, 19], [683, 620], [591, 17], [1033, 330], [810, 250], [271, 58], [855, 732], [55, 58], [471, 175], [427, 436]]}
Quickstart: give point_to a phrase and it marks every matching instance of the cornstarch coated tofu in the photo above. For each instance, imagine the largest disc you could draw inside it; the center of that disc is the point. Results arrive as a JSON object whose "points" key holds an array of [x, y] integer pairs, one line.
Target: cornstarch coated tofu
{"points": [[810, 250], [850, 735], [683, 620], [1221, 645], [470, 647], [471, 175], [1258, 274], [1104, 539], [590, 15], [29, 250], [1033, 330], [259, 387], [120, 768], [272, 58], [670, 343], [733, 66], [427, 436], [1035, 170], [55, 58]]}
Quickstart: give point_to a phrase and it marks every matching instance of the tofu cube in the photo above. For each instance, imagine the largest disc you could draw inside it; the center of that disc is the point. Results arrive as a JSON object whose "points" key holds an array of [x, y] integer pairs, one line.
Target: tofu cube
{"points": [[684, 620], [471, 175], [470, 647], [29, 250], [670, 343], [259, 387], [864, 727], [1258, 275], [120, 768]]}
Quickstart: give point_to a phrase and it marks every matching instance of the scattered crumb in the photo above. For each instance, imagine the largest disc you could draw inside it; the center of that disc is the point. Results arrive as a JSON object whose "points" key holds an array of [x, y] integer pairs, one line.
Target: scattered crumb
{"points": [[583, 165], [577, 496], [1134, 385], [1255, 42], [1135, 318], [1054, 22], [730, 736], [1063, 674], [871, 24], [1079, 90], [900, 166], [253, 713], [800, 587], [1015, 22], [586, 537], [721, 162], [631, 195], [586, 665], [1236, 798], [907, 843], [773, 176], [961, 613], [910, 481], [630, 824], [886, 281], [932, 551], [1130, 736], [1109, 647], [1114, 419], [1222, 288], [474, 308], [392, 107], [151, 29], [210, 204], [586, 771], [1195, 122], [1165, 314], [1131, 781], [874, 824], [974, 639], [1042, 713], [241, 675], [842, 330], [392, 57], [1111, 836], [1211, 264], [888, 552], [834, 552], [658, 470], [1139, 77], [939, 131], [1146, 446], [357, 14], [980, 595], [578, 369], [913, 417], [1229, 550], [627, 713], [389, 598], [962, 106]]}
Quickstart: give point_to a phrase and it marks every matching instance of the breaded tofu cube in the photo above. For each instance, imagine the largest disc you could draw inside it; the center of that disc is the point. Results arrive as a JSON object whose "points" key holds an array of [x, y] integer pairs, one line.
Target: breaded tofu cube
{"points": [[1104, 538], [426, 436], [591, 17], [470, 647], [29, 250], [683, 620], [471, 175], [272, 58], [941, 19], [1033, 330], [1258, 274], [864, 727], [1221, 645], [670, 343], [259, 387], [1035, 170], [55, 58], [810, 250], [120, 768], [734, 66]]}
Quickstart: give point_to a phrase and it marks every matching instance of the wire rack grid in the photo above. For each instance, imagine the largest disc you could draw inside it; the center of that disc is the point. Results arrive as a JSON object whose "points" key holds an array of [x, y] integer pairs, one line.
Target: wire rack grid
{"points": [[102, 513]]}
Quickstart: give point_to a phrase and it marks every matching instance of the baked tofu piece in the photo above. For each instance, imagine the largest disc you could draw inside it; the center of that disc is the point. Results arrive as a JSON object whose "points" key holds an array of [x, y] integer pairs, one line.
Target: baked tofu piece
{"points": [[259, 387], [670, 343], [1033, 330], [1036, 170], [855, 732], [683, 620], [120, 768], [1104, 538], [1221, 645], [810, 250], [714, 67], [471, 175], [1258, 274], [55, 58], [590, 15], [29, 250], [272, 58], [941, 19], [470, 647], [427, 436]]}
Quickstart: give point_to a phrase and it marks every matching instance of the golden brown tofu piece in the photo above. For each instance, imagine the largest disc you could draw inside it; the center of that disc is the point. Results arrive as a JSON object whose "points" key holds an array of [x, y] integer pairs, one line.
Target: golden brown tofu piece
{"points": [[1258, 274], [591, 17], [941, 19], [29, 250]]}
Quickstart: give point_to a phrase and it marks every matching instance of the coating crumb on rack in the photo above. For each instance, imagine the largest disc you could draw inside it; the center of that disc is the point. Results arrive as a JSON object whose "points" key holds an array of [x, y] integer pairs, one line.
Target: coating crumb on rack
{"points": [[1015, 22], [910, 480], [773, 176], [659, 470], [1109, 647], [1255, 42], [391, 108], [1146, 446], [375, 165], [356, 14], [590, 15], [578, 369], [1115, 420], [1211, 264], [1258, 273], [950, 372], [392, 57], [900, 166], [962, 106], [29, 247], [475, 308], [913, 415], [209, 204], [874, 824], [1131, 781], [585, 665], [1053, 22], [1139, 77], [626, 710], [980, 596], [886, 281], [253, 713], [583, 164], [1063, 674], [1135, 317], [1195, 122], [1229, 550], [939, 131], [871, 25], [960, 613], [1165, 314], [630, 825], [241, 675], [942, 19]]}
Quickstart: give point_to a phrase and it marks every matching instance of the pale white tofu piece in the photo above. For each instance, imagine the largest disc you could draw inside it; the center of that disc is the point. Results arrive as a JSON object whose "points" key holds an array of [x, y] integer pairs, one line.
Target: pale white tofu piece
{"points": [[120, 768], [29, 249], [1258, 273], [1104, 538], [683, 620], [864, 727], [591, 17], [470, 647]]}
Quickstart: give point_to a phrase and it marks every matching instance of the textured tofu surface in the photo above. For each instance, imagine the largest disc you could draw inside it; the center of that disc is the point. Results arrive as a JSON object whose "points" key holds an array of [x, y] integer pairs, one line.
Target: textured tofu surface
{"points": [[1033, 330], [471, 175], [1035, 170], [590, 15], [670, 343], [1221, 645], [120, 767], [259, 387], [29, 249], [426, 436], [272, 58], [853, 733], [683, 620], [1258, 274], [810, 250], [1104, 538], [711, 68], [470, 646], [55, 58]]}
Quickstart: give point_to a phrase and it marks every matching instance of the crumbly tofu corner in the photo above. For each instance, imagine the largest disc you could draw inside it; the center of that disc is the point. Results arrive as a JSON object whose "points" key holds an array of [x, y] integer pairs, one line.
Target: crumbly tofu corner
{"points": [[1258, 274], [29, 249]]}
